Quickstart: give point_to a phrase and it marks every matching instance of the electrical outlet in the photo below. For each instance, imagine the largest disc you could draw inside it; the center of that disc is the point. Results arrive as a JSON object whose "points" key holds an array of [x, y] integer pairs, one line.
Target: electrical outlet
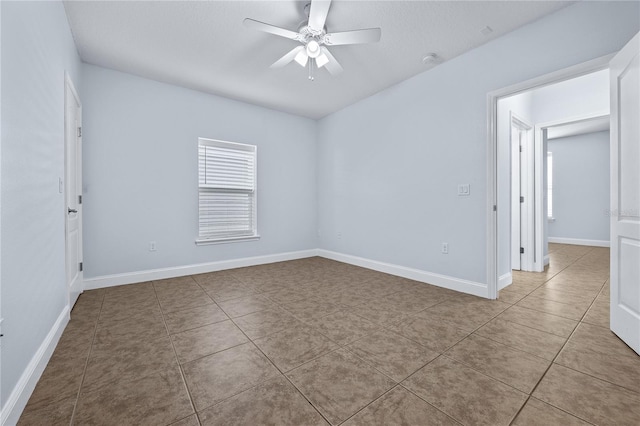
{"points": [[445, 248], [339, 235], [152, 246]]}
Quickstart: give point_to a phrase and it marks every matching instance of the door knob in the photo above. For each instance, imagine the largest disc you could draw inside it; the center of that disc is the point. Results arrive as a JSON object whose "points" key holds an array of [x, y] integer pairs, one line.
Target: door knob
{"points": [[70, 210]]}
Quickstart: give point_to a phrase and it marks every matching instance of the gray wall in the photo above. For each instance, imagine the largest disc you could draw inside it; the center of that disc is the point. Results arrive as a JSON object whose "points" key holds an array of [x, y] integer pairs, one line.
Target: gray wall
{"points": [[580, 187], [37, 48], [140, 173], [390, 164]]}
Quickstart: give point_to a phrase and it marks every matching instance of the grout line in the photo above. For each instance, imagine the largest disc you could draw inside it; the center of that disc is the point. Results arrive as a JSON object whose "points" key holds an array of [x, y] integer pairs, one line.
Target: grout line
{"points": [[556, 356], [272, 363], [86, 362], [175, 353]]}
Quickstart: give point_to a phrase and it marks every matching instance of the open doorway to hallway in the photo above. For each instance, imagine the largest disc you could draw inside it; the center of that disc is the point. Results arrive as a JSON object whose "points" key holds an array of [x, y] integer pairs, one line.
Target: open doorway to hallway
{"points": [[553, 172]]}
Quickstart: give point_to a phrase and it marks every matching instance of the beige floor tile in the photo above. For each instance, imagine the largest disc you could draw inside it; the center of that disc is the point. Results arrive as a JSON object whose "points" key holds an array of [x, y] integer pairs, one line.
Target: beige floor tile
{"points": [[309, 309], [188, 319], [160, 398], [400, 407], [227, 292], [582, 299], [343, 327], [600, 353], [292, 347], [378, 312], [132, 330], [192, 420], [284, 296], [432, 333], [120, 360], [263, 323], [588, 398], [219, 376], [245, 305], [511, 296], [466, 312], [392, 354], [206, 340], [56, 414], [535, 342], [464, 394], [511, 366], [538, 413], [339, 384], [115, 315], [61, 379], [599, 313], [540, 321], [188, 296], [275, 402], [409, 302]]}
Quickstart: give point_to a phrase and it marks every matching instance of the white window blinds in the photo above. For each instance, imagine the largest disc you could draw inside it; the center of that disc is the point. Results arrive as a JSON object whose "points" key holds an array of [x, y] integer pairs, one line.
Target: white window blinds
{"points": [[227, 190]]}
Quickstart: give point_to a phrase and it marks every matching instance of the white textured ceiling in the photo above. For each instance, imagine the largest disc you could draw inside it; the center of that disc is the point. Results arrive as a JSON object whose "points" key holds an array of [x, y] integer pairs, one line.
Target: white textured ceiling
{"points": [[204, 45]]}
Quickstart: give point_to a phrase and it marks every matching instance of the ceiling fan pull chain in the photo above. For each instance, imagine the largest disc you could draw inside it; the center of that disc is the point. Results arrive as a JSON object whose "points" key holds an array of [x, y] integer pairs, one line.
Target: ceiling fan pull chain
{"points": [[311, 69]]}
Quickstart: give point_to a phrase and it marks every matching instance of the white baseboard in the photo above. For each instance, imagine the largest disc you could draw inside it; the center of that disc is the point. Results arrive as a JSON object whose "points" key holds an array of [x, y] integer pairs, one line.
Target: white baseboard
{"points": [[24, 388], [505, 280], [465, 286], [579, 242], [201, 268], [547, 259]]}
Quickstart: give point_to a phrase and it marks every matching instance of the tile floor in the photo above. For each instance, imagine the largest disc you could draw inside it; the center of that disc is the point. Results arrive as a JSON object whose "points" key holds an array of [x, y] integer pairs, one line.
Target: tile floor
{"points": [[317, 342]]}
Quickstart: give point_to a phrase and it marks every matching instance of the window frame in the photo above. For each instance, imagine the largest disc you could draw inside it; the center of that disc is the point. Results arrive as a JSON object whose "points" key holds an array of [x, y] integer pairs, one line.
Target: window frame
{"points": [[239, 147]]}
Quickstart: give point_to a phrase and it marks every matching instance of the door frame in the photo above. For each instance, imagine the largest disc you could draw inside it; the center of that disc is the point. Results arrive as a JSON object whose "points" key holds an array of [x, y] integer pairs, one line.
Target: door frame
{"points": [[526, 225], [574, 71], [70, 87]]}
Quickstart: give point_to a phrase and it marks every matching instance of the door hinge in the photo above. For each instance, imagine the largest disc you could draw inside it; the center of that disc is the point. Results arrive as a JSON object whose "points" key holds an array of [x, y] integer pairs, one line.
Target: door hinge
{"points": [[495, 208], [522, 199], [79, 199], [80, 267], [79, 132], [521, 250]]}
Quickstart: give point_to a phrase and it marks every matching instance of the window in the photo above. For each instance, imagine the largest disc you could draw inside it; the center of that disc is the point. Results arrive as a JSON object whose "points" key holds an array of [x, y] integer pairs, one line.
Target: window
{"points": [[226, 191], [549, 185]]}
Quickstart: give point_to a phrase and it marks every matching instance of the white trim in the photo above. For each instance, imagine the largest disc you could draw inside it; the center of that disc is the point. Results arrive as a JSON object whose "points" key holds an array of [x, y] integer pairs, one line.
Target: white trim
{"points": [[208, 241], [27, 383], [547, 259], [457, 284], [505, 280], [579, 242], [492, 145], [200, 268]]}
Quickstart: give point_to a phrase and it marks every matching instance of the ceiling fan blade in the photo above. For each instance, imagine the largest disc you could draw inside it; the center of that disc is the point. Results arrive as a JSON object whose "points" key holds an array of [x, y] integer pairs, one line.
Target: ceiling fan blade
{"points": [[267, 28], [318, 14], [333, 66], [287, 58], [370, 35]]}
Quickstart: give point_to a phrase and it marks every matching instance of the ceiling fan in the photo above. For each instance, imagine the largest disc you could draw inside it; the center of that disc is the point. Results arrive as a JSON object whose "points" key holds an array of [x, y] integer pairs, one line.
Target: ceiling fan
{"points": [[313, 36]]}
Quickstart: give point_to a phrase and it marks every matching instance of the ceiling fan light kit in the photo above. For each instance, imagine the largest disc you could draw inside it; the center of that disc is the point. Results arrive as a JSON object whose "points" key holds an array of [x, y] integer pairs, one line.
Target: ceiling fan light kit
{"points": [[314, 39]]}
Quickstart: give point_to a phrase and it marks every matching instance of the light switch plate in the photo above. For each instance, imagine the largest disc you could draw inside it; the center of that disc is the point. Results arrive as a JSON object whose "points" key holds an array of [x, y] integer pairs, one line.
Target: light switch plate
{"points": [[464, 189]]}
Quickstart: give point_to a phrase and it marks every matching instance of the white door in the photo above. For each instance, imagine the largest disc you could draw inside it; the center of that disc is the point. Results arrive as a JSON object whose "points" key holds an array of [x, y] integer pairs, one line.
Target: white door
{"points": [[73, 192], [521, 181], [625, 194], [515, 197]]}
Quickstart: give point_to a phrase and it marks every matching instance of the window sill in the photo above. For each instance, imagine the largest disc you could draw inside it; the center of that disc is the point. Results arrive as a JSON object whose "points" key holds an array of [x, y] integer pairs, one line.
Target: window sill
{"points": [[204, 242], [551, 219]]}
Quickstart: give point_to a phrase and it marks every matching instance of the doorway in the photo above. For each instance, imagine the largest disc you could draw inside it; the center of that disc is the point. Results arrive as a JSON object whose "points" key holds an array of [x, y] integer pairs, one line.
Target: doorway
{"points": [[73, 191]]}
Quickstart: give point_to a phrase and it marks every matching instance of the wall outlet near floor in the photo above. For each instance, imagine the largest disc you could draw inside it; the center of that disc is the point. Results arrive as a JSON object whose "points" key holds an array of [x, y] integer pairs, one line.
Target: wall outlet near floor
{"points": [[445, 248], [339, 235], [152, 246]]}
